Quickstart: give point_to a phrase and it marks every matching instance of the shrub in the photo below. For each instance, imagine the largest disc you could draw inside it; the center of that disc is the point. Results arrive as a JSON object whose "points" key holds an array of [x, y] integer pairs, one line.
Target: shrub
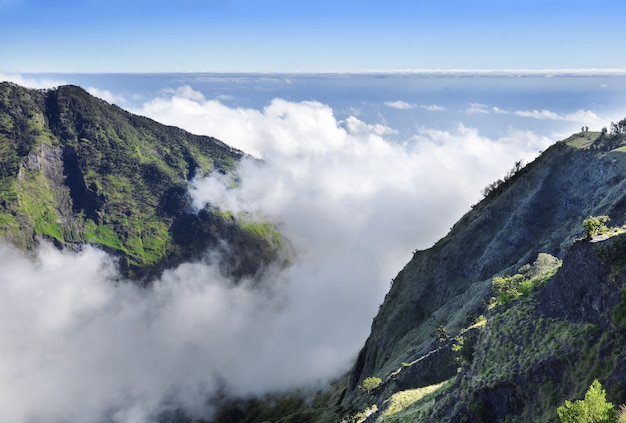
{"points": [[509, 288], [370, 384], [442, 334], [595, 225]]}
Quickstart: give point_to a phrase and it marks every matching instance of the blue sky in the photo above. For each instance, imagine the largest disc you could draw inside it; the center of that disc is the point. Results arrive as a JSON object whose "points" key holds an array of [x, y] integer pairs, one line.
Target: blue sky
{"points": [[325, 35]]}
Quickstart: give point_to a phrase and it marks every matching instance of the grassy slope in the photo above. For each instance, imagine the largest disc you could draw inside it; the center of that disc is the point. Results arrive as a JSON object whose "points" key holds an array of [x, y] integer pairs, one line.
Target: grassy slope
{"points": [[75, 169]]}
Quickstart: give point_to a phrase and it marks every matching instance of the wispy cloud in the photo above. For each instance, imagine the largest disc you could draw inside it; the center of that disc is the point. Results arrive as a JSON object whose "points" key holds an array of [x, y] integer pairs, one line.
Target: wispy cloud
{"points": [[578, 116], [584, 116], [433, 108], [403, 105], [477, 108]]}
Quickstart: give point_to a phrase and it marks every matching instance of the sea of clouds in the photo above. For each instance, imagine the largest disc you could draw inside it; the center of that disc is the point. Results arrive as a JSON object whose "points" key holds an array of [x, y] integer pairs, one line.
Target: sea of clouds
{"points": [[79, 343]]}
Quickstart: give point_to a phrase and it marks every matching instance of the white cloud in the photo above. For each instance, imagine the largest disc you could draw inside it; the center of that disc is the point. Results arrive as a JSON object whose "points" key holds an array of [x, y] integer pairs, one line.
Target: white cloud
{"points": [[355, 126], [31, 82], [477, 108], [225, 97], [352, 204], [78, 345], [401, 105], [583, 116], [433, 108], [107, 96]]}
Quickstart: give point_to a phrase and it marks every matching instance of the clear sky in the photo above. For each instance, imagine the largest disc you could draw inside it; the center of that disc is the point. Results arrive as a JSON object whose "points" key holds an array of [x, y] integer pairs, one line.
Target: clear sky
{"points": [[320, 35]]}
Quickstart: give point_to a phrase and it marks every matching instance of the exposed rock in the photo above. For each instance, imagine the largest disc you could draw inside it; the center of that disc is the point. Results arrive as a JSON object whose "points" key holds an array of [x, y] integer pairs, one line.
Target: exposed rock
{"points": [[582, 290]]}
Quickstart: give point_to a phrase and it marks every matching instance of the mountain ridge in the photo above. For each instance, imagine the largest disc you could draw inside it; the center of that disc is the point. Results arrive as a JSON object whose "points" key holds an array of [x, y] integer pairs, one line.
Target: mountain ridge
{"points": [[77, 170]]}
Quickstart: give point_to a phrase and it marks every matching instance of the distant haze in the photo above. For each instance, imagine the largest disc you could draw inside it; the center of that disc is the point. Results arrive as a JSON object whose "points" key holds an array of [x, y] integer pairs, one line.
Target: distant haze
{"points": [[358, 172]]}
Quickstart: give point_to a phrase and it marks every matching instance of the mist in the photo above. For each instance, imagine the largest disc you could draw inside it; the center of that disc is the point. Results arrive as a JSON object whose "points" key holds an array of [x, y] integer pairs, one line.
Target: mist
{"points": [[79, 343]]}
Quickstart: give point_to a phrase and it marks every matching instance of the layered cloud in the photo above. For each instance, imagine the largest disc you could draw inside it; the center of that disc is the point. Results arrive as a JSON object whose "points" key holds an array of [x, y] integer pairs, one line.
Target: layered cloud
{"points": [[583, 116], [578, 116], [80, 343]]}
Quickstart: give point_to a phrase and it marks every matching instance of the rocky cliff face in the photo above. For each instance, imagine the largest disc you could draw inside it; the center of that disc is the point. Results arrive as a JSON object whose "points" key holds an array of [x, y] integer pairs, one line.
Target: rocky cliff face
{"points": [[548, 347], [540, 210], [584, 289]]}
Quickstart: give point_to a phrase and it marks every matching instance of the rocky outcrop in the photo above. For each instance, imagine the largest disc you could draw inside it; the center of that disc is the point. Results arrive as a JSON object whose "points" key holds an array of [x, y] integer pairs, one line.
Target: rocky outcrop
{"points": [[583, 290]]}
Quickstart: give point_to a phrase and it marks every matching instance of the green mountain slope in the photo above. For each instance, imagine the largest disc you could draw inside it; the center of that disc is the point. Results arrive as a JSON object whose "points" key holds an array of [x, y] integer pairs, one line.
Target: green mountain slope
{"points": [[535, 348], [74, 170], [539, 211]]}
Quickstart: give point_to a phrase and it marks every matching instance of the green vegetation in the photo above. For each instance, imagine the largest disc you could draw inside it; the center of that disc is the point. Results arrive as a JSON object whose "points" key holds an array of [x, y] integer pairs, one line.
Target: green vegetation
{"points": [[412, 405], [370, 384], [613, 252], [595, 225], [75, 169], [529, 278], [582, 140], [593, 409], [40, 203], [264, 230], [464, 348], [500, 185], [618, 315]]}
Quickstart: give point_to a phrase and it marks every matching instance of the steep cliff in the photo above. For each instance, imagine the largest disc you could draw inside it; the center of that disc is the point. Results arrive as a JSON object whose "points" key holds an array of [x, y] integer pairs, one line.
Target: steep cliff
{"points": [[539, 210]]}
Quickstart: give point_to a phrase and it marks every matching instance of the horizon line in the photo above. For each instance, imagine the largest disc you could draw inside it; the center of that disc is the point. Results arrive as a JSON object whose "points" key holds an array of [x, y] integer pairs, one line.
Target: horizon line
{"points": [[417, 71]]}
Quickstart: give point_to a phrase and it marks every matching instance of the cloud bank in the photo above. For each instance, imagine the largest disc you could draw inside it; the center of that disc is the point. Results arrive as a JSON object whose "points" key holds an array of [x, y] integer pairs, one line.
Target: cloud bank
{"points": [[82, 344]]}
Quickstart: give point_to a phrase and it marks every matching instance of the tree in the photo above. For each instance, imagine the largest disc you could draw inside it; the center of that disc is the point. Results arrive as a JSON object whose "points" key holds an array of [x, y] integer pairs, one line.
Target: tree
{"points": [[595, 225], [616, 128], [593, 409], [369, 384]]}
